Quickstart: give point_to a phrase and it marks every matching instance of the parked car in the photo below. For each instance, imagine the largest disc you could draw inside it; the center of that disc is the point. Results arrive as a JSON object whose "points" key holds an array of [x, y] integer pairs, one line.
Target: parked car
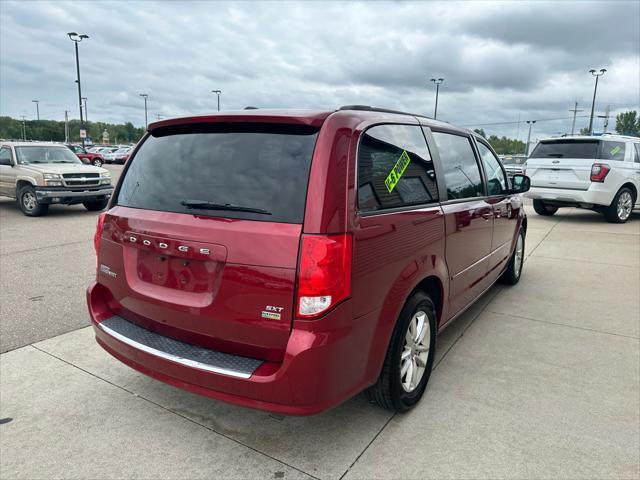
{"points": [[40, 174], [88, 157], [601, 173], [118, 155], [514, 164], [121, 155], [286, 260]]}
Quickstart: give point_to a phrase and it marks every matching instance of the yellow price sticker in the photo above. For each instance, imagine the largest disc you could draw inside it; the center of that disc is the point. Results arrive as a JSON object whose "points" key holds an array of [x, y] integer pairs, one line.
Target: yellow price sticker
{"points": [[396, 172]]}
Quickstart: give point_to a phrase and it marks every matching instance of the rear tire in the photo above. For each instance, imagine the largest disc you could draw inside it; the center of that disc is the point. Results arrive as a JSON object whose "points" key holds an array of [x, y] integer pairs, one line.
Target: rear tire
{"points": [[620, 209], [28, 202], [512, 274], [542, 208], [97, 205], [412, 348]]}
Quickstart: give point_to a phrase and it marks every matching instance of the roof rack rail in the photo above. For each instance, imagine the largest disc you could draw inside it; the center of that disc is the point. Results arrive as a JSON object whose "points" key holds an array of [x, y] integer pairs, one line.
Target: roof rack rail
{"points": [[368, 108]]}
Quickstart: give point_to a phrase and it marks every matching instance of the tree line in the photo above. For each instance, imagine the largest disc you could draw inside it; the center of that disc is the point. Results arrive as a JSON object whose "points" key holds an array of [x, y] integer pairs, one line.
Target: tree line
{"points": [[52, 130], [502, 145]]}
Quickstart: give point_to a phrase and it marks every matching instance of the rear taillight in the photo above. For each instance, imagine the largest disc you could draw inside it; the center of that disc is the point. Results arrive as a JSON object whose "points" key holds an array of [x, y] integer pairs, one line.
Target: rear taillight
{"points": [[599, 172], [98, 234], [324, 273]]}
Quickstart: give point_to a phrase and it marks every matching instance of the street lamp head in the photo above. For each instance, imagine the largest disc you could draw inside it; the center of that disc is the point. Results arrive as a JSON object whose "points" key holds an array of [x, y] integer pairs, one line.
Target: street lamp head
{"points": [[144, 95], [216, 91], [596, 73], [35, 101], [602, 70], [592, 71], [76, 37]]}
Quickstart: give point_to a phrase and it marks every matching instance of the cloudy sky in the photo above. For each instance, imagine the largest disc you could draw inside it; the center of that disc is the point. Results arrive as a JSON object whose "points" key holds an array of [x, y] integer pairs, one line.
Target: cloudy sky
{"points": [[501, 61]]}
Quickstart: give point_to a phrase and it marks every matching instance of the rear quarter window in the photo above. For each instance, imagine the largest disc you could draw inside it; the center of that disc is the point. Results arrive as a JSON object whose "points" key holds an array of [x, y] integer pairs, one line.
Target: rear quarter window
{"points": [[394, 168], [612, 150], [260, 167]]}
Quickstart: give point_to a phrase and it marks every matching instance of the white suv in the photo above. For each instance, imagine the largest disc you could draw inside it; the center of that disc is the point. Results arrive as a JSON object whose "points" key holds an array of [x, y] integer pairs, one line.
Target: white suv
{"points": [[601, 173]]}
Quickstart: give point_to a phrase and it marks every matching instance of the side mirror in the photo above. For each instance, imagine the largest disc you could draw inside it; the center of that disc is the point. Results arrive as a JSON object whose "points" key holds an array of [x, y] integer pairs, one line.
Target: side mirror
{"points": [[520, 184]]}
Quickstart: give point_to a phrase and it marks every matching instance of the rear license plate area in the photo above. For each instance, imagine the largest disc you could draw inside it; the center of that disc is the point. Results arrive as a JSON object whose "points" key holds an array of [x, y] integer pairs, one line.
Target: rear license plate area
{"points": [[177, 273]]}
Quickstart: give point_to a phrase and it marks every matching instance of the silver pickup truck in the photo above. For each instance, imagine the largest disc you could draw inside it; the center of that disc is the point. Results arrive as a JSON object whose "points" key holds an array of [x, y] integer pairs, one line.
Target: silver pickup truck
{"points": [[40, 174]]}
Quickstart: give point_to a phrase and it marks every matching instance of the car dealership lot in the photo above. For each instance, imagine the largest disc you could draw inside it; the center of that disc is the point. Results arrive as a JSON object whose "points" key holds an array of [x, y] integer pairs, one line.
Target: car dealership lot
{"points": [[544, 383]]}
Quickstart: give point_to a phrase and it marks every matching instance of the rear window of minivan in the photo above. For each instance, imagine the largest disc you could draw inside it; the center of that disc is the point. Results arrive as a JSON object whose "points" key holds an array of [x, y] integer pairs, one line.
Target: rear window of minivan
{"points": [[243, 171]]}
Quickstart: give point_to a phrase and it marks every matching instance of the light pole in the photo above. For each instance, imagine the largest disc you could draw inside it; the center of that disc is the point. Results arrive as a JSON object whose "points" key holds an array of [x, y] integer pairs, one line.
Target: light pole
{"points": [[24, 129], [217, 92], [596, 74], [86, 114], [145, 96], [530, 123], [77, 38], [437, 82], [37, 108], [66, 126]]}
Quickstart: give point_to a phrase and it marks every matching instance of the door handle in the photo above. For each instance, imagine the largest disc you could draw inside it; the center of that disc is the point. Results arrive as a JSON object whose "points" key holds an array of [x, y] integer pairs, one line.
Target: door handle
{"points": [[486, 215]]}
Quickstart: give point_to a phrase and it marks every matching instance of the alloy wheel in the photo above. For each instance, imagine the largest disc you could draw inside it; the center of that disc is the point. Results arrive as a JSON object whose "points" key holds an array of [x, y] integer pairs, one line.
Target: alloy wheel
{"points": [[415, 352], [519, 256], [625, 205], [29, 201]]}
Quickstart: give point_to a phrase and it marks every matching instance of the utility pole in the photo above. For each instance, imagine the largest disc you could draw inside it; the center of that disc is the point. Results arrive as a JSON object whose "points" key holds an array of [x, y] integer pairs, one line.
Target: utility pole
{"points": [[606, 118], [66, 126], [145, 96], [575, 111], [75, 38], [24, 129], [595, 89], [437, 82], [530, 123], [37, 108], [217, 92]]}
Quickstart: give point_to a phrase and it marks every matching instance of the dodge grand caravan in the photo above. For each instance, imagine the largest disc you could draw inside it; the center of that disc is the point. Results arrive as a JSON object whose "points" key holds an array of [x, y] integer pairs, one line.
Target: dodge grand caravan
{"points": [[287, 260]]}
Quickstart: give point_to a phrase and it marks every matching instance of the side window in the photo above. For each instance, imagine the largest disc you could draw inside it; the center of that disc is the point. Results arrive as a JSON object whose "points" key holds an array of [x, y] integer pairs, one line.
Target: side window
{"points": [[394, 168], [637, 149], [612, 151], [496, 181], [5, 156], [461, 171]]}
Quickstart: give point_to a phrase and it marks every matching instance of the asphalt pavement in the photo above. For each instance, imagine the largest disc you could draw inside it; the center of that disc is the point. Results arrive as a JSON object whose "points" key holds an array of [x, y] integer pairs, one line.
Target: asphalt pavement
{"points": [[540, 380]]}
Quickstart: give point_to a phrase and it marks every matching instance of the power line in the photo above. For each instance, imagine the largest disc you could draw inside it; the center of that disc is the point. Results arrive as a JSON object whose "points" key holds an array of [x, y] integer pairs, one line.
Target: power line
{"points": [[512, 123]]}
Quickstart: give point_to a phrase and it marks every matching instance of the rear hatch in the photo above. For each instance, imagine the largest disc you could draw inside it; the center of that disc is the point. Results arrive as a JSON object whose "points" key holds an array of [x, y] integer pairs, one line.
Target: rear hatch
{"points": [[202, 242], [562, 163]]}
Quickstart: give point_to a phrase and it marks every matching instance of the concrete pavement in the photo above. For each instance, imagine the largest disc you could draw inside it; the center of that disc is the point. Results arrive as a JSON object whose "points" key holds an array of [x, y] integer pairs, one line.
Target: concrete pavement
{"points": [[541, 380]]}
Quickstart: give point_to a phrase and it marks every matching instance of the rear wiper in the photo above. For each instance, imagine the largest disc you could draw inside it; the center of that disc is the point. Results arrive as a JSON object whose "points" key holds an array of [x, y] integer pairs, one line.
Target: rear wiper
{"points": [[205, 205]]}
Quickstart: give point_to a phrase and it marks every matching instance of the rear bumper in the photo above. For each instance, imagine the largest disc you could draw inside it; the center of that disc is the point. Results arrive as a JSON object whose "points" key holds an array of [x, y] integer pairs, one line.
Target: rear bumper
{"points": [[595, 195], [324, 364]]}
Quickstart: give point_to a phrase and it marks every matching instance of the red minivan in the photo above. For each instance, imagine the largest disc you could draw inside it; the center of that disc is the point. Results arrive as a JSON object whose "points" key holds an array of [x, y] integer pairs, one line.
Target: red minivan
{"points": [[287, 260]]}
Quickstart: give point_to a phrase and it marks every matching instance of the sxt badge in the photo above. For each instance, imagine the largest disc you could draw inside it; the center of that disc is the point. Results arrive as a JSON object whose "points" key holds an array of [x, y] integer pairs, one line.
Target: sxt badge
{"points": [[272, 313]]}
